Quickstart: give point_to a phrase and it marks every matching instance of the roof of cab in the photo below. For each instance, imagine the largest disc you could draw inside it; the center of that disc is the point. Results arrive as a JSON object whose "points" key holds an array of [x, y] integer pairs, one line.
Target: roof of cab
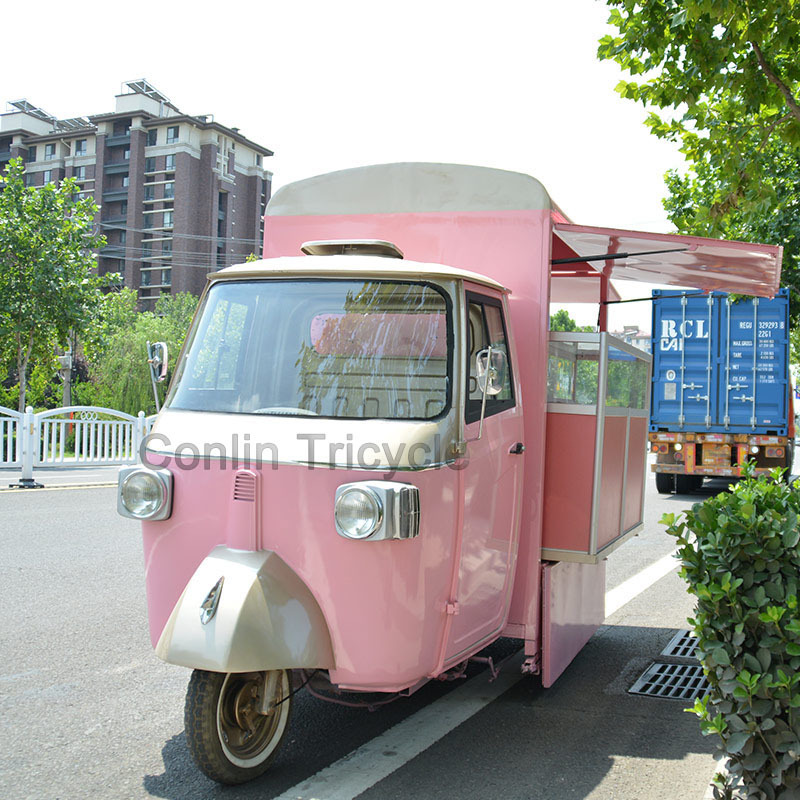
{"points": [[410, 187], [350, 266]]}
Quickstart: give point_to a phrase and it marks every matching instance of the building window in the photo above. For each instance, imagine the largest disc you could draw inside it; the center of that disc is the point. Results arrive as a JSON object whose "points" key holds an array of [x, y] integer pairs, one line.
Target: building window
{"points": [[148, 221], [169, 164], [49, 152], [150, 164], [172, 134], [80, 147], [166, 248], [48, 176], [79, 173], [126, 154], [149, 192], [152, 137], [258, 160], [125, 180], [147, 249], [169, 190], [123, 208], [31, 154], [146, 277], [123, 237], [166, 277], [168, 219]]}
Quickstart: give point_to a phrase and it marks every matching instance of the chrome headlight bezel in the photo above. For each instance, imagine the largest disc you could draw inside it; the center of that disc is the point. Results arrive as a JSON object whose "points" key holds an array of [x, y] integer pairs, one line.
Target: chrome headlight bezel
{"points": [[162, 480], [399, 510]]}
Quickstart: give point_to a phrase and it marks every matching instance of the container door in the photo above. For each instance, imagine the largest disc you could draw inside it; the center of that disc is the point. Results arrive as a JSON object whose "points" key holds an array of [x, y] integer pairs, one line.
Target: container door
{"points": [[753, 354], [492, 484], [684, 390]]}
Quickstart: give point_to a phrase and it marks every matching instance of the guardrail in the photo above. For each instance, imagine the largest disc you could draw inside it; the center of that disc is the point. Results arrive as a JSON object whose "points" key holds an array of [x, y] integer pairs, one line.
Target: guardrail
{"points": [[69, 436]]}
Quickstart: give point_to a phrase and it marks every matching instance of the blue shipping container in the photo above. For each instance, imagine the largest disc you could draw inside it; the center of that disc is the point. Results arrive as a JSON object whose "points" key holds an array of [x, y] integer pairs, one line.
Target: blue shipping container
{"points": [[720, 365]]}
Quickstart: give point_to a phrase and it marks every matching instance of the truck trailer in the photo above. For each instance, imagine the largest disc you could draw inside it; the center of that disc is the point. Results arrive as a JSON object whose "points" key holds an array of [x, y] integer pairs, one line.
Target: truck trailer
{"points": [[721, 393]]}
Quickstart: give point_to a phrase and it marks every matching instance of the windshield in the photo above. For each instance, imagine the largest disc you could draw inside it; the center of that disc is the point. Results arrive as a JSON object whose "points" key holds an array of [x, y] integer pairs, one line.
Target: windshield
{"points": [[333, 348]]}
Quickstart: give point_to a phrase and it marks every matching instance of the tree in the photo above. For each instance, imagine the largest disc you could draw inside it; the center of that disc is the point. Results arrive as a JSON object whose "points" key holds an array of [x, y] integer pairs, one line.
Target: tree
{"points": [[725, 75], [120, 372], [47, 285]]}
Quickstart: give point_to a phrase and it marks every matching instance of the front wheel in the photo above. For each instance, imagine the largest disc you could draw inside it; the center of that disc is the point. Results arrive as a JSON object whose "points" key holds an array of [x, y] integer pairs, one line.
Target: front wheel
{"points": [[229, 737]]}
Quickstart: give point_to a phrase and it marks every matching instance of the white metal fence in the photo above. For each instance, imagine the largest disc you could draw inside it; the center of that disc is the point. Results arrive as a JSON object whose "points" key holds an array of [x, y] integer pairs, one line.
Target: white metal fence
{"points": [[74, 435]]}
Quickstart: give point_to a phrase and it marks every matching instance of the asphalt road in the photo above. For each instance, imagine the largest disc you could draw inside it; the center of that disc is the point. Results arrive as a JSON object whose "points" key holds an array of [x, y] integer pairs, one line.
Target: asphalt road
{"points": [[88, 711]]}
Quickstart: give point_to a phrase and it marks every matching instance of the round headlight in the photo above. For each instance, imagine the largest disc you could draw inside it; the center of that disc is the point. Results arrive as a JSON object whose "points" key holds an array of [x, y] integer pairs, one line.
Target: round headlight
{"points": [[358, 513], [754, 449], [678, 446], [142, 494]]}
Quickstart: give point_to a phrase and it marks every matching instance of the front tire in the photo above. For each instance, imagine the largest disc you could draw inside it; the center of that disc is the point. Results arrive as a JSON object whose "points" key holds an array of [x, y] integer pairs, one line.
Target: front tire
{"points": [[665, 482], [230, 741]]}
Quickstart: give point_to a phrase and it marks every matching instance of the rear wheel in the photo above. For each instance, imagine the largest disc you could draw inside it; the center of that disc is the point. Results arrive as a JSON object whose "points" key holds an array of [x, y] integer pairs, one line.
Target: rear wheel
{"points": [[665, 482], [228, 736], [685, 484]]}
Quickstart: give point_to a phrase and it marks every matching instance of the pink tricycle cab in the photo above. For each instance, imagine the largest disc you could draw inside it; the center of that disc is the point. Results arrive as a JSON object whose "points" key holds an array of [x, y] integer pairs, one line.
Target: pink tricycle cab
{"points": [[375, 458]]}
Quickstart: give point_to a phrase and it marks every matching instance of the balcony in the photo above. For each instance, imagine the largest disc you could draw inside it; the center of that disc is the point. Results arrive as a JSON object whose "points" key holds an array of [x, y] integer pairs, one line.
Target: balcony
{"points": [[115, 193], [118, 139], [115, 220], [115, 167], [113, 251]]}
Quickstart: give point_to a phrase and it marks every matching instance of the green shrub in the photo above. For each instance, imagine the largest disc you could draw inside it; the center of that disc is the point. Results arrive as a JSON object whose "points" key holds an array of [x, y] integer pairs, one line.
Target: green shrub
{"points": [[741, 558]]}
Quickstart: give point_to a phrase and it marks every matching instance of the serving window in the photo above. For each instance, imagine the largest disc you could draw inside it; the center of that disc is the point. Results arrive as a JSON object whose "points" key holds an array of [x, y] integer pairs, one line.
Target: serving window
{"points": [[595, 450]]}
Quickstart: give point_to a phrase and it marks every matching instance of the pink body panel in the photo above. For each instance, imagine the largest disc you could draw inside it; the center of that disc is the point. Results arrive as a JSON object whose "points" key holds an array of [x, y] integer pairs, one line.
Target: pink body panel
{"points": [[568, 482], [612, 480], [384, 602], [634, 484], [512, 247], [573, 609]]}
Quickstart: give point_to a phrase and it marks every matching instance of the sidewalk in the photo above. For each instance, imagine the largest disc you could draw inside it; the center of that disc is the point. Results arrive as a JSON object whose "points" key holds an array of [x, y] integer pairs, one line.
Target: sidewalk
{"points": [[64, 476]]}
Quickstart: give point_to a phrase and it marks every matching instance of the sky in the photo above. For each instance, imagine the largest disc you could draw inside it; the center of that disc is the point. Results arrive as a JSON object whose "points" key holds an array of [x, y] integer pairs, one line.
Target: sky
{"points": [[334, 84]]}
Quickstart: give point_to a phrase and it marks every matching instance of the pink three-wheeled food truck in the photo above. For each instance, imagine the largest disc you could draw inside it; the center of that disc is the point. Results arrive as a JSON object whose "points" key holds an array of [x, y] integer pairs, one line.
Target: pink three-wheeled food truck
{"points": [[375, 459]]}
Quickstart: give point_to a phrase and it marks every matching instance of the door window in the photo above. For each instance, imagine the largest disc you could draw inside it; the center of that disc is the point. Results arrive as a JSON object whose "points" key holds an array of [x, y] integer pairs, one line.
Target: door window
{"points": [[485, 327]]}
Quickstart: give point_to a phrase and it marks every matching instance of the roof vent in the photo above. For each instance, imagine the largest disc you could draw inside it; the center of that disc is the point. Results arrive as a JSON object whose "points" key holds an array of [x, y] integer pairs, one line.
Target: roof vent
{"points": [[350, 247]]}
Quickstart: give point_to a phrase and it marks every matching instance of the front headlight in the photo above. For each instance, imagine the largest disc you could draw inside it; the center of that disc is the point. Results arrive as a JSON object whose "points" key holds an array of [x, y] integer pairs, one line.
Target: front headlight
{"points": [[375, 511], [144, 493], [358, 513]]}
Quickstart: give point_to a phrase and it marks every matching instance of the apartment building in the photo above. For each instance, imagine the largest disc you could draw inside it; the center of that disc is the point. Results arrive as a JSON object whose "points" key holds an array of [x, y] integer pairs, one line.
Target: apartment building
{"points": [[179, 195]]}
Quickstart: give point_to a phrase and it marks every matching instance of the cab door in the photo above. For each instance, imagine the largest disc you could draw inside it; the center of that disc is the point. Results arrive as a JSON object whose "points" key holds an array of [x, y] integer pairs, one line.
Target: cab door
{"points": [[490, 484]]}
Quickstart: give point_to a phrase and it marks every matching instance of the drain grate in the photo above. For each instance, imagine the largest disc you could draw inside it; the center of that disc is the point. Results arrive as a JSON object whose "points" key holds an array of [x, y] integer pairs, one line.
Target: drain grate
{"points": [[671, 681], [682, 645]]}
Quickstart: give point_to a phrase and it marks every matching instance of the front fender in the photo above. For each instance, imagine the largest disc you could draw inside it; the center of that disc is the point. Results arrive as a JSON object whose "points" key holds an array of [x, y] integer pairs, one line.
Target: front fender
{"points": [[266, 618]]}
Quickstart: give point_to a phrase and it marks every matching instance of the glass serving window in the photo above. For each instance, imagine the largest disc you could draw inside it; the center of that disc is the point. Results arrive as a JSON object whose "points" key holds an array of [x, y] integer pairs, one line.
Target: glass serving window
{"points": [[626, 384], [333, 348], [573, 370]]}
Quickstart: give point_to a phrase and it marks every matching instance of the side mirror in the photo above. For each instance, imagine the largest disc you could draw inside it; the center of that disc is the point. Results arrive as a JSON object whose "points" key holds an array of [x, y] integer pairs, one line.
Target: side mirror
{"points": [[490, 369], [158, 359]]}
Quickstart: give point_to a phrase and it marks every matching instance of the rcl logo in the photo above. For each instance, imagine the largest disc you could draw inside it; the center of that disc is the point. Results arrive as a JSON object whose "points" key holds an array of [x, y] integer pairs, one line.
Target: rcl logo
{"points": [[673, 334]]}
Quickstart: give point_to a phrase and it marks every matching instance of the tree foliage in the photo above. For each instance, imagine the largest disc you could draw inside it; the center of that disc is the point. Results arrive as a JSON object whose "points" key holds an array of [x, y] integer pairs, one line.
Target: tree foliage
{"points": [[120, 373], [724, 78], [723, 73], [47, 285]]}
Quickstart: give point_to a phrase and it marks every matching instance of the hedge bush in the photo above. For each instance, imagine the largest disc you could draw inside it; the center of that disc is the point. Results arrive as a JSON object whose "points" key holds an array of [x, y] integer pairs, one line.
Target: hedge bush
{"points": [[740, 555]]}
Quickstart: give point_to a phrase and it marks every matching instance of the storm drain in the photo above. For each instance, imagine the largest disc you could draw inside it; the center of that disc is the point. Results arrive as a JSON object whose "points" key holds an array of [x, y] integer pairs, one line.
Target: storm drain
{"points": [[682, 645], [671, 681]]}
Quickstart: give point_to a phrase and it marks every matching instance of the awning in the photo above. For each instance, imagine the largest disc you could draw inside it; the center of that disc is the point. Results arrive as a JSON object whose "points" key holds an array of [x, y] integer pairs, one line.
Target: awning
{"points": [[692, 261]]}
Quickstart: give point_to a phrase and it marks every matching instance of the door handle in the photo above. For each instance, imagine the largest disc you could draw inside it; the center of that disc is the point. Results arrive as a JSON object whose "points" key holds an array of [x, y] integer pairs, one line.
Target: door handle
{"points": [[518, 449]]}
